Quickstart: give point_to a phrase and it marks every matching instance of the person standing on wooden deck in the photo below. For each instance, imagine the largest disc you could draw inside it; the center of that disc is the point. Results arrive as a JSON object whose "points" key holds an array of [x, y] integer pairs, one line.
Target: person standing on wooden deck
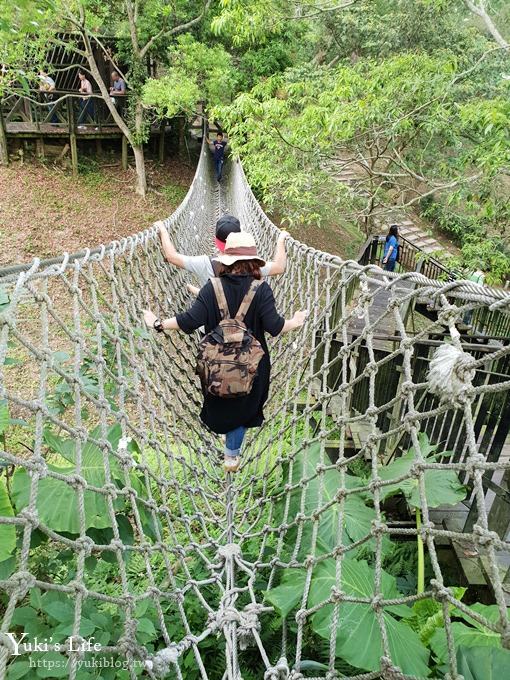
{"points": [[86, 102], [47, 86], [390, 255], [118, 91]]}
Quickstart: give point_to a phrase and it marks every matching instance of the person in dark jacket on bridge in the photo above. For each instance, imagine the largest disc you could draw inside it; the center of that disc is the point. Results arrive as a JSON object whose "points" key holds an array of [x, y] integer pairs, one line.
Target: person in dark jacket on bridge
{"points": [[240, 266], [219, 145]]}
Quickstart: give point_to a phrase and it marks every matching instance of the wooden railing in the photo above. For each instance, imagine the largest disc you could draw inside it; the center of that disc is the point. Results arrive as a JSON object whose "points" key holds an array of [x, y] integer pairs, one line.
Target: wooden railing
{"points": [[61, 111], [412, 258]]}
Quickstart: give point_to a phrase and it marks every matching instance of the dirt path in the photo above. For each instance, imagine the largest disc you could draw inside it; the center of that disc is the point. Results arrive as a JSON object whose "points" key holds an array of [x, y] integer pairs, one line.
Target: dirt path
{"points": [[45, 211]]}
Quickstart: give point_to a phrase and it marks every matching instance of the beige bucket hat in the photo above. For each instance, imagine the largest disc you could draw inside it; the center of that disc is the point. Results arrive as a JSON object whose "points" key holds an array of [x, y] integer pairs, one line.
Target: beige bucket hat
{"points": [[239, 246]]}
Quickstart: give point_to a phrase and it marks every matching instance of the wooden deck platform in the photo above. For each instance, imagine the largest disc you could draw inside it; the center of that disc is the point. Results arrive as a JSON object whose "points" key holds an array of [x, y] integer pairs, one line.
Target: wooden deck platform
{"points": [[380, 315], [29, 130]]}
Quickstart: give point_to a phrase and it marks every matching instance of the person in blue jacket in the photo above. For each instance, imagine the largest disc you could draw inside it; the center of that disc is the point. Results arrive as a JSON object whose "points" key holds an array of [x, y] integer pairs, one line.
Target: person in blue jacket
{"points": [[390, 254]]}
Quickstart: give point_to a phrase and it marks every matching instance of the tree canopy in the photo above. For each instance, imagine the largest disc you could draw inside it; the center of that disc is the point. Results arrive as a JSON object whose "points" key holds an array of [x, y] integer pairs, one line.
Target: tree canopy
{"points": [[409, 98]]}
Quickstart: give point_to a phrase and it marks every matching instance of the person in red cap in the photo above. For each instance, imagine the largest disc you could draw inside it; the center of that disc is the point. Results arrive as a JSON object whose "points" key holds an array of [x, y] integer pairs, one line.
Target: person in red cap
{"points": [[240, 268], [203, 266]]}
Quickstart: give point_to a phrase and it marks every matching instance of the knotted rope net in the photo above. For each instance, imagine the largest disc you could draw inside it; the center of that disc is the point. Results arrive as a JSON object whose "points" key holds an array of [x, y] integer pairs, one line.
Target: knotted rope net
{"points": [[277, 572]]}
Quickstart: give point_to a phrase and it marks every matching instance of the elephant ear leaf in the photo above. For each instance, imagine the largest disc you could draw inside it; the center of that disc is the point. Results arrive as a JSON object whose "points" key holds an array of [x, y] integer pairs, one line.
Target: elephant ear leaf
{"points": [[288, 595], [483, 663], [57, 498], [442, 487]]}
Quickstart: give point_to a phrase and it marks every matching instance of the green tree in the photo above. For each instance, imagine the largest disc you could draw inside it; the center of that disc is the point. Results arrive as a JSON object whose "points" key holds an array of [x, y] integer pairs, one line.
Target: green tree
{"points": [[140, 30]]}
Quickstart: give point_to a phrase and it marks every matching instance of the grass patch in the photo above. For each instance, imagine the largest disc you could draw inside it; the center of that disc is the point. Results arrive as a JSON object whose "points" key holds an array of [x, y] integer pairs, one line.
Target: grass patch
{"points": [[174, 193]]}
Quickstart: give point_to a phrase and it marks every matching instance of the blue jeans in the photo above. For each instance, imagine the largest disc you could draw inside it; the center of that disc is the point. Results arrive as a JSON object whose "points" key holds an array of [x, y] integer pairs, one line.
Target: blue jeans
{"points": [[87, 109], [233, 441], [390, 265], [218, 164]]}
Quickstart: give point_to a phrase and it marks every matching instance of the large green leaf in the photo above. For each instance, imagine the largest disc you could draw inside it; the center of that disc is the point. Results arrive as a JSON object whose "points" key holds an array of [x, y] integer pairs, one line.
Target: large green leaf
{"points": [[483, 663], [488, 611], [465, 636], [358, 622], [442, 487], [287, 596], [357, 517], [57, 501], [7, 531]]}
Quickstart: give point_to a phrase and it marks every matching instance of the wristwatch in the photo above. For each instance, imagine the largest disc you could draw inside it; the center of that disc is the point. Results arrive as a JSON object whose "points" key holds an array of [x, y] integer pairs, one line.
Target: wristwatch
{"points": [[158, 325]]}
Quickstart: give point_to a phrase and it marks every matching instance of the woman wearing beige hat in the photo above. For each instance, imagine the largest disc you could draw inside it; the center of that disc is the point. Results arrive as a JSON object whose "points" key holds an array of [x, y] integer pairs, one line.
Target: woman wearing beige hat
{"points": [[240, 268]]}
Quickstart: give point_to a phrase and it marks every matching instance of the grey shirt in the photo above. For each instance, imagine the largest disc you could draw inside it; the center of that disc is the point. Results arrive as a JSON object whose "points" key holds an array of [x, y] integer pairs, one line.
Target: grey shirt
{"points": [[201, 266]]}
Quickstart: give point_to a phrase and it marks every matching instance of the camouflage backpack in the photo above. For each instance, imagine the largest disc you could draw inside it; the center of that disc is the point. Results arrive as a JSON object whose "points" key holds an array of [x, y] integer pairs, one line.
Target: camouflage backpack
{"points": [[229, 355]]}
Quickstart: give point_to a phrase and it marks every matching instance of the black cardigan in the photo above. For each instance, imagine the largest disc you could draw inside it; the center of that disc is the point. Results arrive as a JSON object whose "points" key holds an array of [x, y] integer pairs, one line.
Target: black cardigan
{"points": [[223, 415]]}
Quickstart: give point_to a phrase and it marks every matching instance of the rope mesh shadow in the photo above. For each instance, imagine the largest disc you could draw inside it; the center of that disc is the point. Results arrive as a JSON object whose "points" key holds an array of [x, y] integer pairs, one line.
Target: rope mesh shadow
{"points": [[114, 416]]}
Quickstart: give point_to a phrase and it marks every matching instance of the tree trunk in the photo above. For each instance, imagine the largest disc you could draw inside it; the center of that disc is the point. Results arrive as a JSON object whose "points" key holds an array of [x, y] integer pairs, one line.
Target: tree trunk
{"points": [[480, 10], [141, 184]]}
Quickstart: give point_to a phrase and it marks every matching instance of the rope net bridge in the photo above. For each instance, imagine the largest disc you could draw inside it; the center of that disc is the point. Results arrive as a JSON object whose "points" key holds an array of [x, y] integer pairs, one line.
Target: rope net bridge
{"points": [[277, 572]]}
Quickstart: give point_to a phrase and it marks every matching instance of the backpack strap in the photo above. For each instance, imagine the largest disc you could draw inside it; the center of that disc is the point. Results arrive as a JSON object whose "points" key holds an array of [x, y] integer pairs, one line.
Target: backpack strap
{"points": [[220, 297], [247, 300], [216, 266]]}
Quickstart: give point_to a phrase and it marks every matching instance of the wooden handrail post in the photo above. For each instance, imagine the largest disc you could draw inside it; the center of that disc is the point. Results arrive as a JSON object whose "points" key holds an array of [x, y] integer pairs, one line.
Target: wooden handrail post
{"points": [[72, 134], [4, 149]]}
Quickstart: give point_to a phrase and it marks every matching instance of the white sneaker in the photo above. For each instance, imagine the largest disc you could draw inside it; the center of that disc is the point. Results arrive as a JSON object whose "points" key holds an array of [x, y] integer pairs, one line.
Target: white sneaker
{"points": [[231, 463]]}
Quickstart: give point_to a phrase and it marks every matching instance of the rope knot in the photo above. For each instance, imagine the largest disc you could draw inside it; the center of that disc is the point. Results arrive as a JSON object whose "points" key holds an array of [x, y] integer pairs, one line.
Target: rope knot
{"points": [[229, 550], [378, 527], [161, 662], [340, 494], [451, 373], [19, 584], [336, 595], [38, 464], [300, 616], [411, 421], [390, 671], [78, 588], [248, 623], [111, 490], [375, 484], [278, 672], [475, 463], [309, 562], [406, 388], [31, 517], [376, 602], [85, 544], [440, 592], [371, 368], [77, 481], [484, 536], [117, 544]]}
